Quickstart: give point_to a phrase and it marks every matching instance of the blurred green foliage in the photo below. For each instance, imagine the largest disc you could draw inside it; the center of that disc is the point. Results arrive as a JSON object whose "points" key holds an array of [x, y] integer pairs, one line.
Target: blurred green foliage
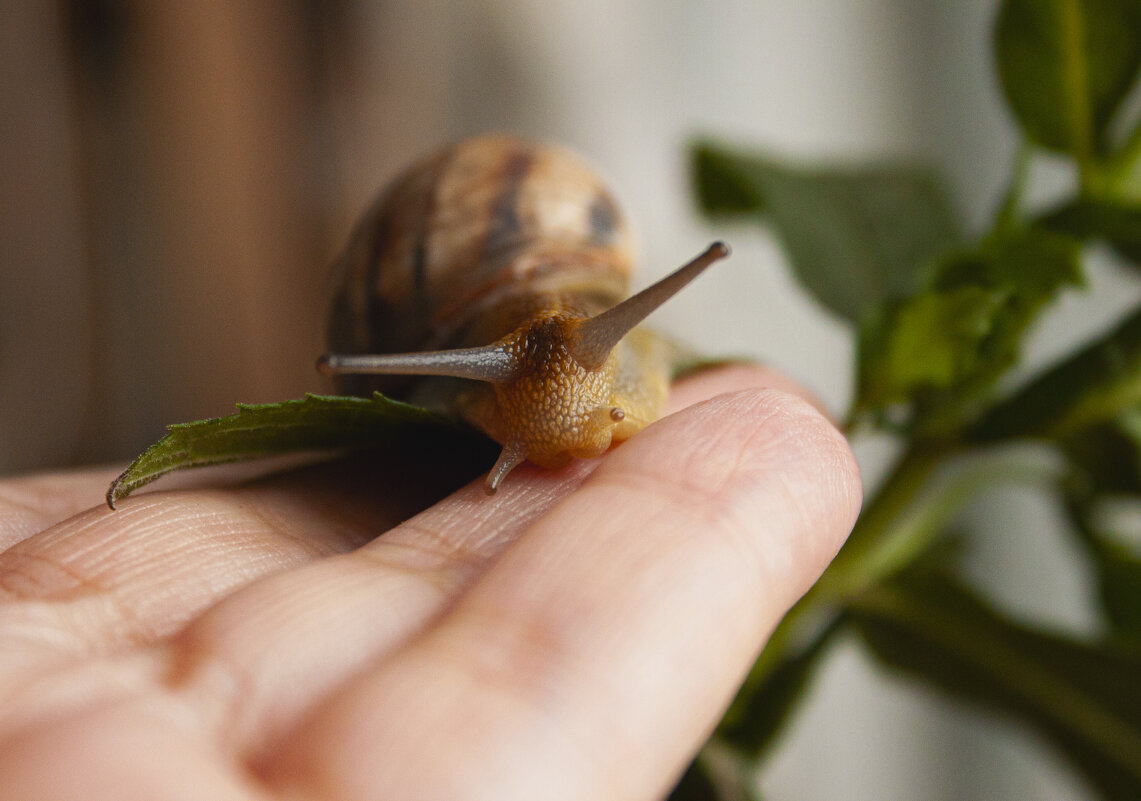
{"points": [[940, 318]]}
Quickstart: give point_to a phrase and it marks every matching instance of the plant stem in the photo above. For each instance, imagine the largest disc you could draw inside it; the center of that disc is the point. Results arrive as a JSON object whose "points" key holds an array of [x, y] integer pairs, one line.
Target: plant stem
{"points": [[848, 572], [902, 521], [1025, 676], [914, 507]]}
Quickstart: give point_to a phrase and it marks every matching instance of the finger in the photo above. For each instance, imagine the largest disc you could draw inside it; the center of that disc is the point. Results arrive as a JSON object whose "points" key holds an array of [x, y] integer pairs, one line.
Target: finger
{"points": [[30, 504], [258, 661], [123, 752], [223, 674], [273, 640], [591, 659], [734, 376], [104, 580], [139, 574]]}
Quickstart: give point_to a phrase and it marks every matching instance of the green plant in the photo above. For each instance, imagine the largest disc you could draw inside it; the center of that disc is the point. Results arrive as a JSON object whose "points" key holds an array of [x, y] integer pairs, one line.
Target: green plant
{"points": [[939, 318]]}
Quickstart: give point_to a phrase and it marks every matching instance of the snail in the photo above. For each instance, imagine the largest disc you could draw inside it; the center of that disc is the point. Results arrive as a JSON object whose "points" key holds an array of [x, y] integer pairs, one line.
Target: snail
{"points": [[498, 268]]}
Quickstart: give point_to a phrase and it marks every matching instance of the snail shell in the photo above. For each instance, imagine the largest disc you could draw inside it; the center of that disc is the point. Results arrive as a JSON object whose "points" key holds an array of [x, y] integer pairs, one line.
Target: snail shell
{"points": [[499, 266]]}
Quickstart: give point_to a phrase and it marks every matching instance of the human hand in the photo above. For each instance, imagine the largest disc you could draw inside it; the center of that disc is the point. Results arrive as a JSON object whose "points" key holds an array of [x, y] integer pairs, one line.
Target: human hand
{"points": [[577, 636]]}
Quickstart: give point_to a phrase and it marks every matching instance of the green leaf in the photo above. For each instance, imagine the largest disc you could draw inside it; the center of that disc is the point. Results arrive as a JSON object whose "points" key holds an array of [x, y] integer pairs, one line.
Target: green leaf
{"points": [[1095, 385], [1106, 457], [946, 349], [1118, 569], [1114, 221], [718, 774], [856, 237], [1066, 66], [1119, 588], [929, 341], [695, 785], [1030, 267], [1105, 460], [316, 422], [722, 181], [1082, 697], [1033, 263]]}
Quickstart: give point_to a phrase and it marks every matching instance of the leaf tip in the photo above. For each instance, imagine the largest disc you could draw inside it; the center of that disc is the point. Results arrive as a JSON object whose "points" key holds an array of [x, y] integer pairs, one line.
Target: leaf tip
{"points": [[112, 493]]}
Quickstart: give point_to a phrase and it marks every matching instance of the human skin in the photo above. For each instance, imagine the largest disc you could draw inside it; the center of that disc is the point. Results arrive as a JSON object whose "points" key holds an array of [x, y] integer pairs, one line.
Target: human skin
{"points": [[577, 636]]}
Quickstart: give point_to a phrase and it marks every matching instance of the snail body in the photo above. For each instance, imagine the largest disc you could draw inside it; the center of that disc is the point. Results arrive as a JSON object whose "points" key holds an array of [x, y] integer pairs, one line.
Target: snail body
{"points": [[499, 268]]}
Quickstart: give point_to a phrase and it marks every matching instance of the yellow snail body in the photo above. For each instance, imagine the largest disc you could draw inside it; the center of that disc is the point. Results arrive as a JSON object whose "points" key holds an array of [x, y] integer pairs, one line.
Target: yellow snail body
{"points": [[499, 268]]}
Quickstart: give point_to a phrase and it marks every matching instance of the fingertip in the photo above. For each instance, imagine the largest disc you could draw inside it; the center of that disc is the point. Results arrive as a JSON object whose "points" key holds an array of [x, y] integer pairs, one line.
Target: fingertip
{"points": [[733, 376], [766, 457]]}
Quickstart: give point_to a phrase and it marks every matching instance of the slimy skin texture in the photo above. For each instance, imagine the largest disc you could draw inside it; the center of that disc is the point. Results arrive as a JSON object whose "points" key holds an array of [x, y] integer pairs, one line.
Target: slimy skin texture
{"points": [[557, 409]]}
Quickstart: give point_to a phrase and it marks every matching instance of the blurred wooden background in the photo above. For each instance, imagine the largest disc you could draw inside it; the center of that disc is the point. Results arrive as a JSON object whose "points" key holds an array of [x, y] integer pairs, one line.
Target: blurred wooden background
{"points": [[176, 179], [165, 158]]}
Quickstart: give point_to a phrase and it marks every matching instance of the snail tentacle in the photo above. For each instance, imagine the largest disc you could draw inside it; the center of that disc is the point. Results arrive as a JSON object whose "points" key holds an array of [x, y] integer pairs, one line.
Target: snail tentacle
{"points": [[494, 364], [596, 337], [514, 453]]}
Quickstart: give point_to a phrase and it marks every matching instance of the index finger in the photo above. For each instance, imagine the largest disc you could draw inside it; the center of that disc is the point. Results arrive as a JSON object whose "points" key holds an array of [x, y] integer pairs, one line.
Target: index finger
{"points": [[593, 656]]}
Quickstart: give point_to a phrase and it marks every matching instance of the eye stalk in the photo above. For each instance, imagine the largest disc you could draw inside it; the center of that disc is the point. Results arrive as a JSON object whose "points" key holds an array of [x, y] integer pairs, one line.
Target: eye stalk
{"points": [[494, 364], [514, 453], [590, 343], [597, 336], [585, 345]]}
